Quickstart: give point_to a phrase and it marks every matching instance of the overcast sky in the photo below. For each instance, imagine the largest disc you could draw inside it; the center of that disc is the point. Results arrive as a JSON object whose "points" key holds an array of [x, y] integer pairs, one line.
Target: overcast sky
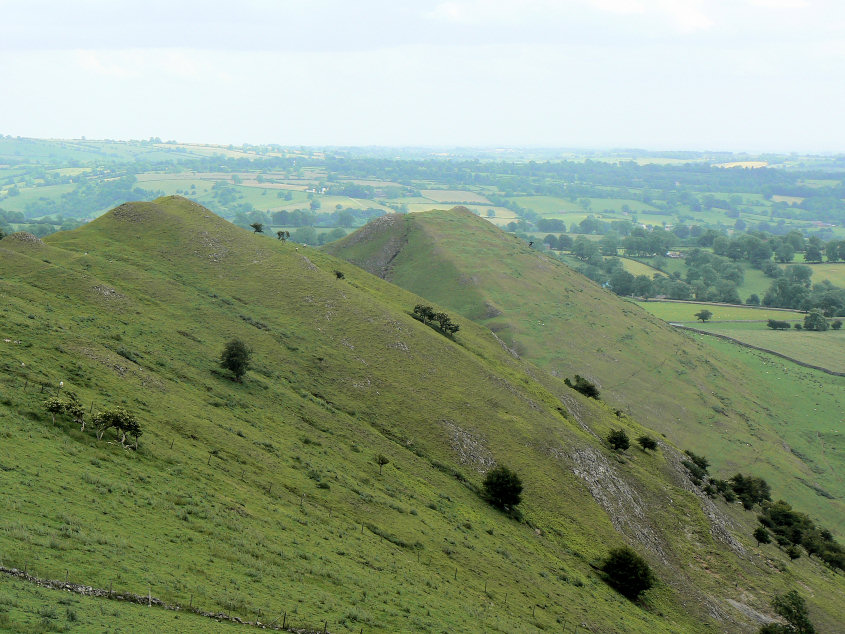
{"points": [[742, 75]]}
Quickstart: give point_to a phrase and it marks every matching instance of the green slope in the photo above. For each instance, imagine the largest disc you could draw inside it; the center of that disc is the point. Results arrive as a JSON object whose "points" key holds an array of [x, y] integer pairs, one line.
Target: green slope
{"points": [[745, 412], [264, 495]]}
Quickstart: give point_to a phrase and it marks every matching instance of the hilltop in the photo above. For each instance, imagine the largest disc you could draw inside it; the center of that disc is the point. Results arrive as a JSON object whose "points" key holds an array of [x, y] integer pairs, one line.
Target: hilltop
{"points": [[744, 410], [263, 497]]}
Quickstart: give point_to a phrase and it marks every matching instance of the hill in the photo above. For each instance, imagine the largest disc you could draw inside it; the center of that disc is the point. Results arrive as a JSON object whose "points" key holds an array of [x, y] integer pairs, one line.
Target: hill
{"points": [[746, 411], [263, 498]]}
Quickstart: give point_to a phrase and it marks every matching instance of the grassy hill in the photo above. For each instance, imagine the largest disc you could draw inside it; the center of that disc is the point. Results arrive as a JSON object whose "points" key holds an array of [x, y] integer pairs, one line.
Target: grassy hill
{"points": [[262, 498], [743, 410]]}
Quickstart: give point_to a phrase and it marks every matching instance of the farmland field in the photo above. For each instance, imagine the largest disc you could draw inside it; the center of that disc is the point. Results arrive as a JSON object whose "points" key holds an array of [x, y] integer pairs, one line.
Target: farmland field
{"points": [[835, 272], [824, 349], [454, 196], [682, 312], [635, 267]]}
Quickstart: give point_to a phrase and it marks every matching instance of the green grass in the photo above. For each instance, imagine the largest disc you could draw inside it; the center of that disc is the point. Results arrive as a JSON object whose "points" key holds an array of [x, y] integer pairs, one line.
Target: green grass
{"points": [[264, 495], [682, 312], [832, 271], [824, 349], [566, 324], [31, 195]]}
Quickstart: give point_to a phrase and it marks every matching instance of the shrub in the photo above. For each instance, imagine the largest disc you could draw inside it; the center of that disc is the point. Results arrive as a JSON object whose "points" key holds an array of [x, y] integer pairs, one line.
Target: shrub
{"points": [[587, 388], [762, 536], [503, 488], [627, 572], [647, 443], [793, 609], [618, 440], [836, 324]]}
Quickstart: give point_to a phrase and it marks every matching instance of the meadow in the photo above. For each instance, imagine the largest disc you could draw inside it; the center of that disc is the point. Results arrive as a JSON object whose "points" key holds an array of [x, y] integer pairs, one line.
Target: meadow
{"points": [[823, 349], [685, 312]]}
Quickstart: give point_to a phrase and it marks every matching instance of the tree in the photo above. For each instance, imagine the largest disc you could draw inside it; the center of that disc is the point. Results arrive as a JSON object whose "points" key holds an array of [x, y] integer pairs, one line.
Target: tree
{"points": [[381, 460], [257, 227], [793, 609], [503, 488], [836, 324], [235, 358], [762, 536], [815, 321], [785, 252], [703, 315], [123, 422], [424, 313], [283, 235], [627, 572], [647, 442], [54, 405], [618, 440]]}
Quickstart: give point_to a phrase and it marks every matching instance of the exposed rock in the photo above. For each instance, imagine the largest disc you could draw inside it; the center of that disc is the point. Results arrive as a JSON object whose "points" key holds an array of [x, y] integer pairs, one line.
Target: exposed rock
{"points": [[622, 503], [26, 238], [471, 448]]}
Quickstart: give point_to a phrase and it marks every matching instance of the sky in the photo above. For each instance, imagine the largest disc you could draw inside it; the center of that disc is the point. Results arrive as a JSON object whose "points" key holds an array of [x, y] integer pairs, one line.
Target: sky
{"points": [[737, 75]]}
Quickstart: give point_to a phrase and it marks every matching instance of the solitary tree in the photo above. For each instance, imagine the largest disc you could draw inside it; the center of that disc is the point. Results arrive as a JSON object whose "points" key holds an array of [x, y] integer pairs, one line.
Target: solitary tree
{"points": [[283, 235], [627, 572], [257, 227], [235, 358], [618, 440], [381, 460], [503, 488], [647, 442], [836, 324], [704, 315]]}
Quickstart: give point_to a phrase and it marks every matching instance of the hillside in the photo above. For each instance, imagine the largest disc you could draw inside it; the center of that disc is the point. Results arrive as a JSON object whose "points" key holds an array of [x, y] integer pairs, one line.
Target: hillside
{"points": [[262, 498], [744, 410]]}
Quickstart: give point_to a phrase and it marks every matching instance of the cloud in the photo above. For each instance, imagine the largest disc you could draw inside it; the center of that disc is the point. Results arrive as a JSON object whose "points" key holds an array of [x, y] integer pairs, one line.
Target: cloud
{"points": [[681, 15], [135, 63], [780, 4]]}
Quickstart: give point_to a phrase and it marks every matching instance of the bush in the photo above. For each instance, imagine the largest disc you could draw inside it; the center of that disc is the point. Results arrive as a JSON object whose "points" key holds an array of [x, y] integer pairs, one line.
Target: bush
{"points": [[627, 572], [647, 443], [775, 324], [836, 324], [762, 536], [503, 488], [793, 609], [618, 440], [235, 358], [584, 386]]}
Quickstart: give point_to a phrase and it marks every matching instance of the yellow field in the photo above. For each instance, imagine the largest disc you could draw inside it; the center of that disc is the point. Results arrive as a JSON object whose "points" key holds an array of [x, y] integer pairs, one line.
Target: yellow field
{"points": [[747, 164], [638, 268], [454, 196], [787, 199]]}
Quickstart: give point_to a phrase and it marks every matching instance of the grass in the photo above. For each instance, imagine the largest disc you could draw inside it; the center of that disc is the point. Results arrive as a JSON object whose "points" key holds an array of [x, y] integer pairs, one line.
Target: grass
{"points": [[226, 503], [681, 312], [669, 381], [824, 349]]}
